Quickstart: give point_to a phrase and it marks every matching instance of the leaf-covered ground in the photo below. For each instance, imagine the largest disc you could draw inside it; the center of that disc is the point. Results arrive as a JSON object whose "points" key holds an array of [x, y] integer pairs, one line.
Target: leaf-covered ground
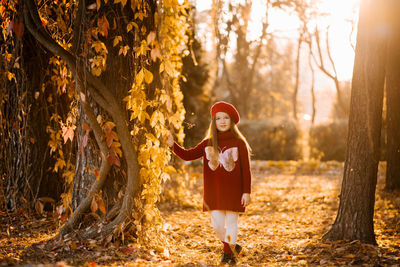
{"points": [[293, 205]]}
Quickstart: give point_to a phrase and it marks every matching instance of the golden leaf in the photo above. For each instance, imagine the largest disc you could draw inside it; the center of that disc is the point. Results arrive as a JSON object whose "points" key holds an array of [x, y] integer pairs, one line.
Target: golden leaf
{"points": [[161, 67], [96, 71], [139, 77], [151, 37], [155, 53], [140, 15], [131, 25], [117, 39], [10, 76], [148, 76], [169, 169]]}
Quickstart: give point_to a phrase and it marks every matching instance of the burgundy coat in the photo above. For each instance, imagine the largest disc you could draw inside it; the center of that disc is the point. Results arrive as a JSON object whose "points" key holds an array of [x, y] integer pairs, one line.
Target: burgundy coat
{"points": [[224, 183]]}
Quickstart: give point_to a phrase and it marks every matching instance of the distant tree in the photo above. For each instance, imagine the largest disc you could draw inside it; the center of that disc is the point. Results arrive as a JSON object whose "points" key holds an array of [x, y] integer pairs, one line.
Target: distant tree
{"points": [[341, 111], [393, 100], [197, 97], [354, 219]]}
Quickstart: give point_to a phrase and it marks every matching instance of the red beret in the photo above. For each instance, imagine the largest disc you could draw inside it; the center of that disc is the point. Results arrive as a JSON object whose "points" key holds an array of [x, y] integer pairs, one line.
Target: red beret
{"points": [[227, 108]]}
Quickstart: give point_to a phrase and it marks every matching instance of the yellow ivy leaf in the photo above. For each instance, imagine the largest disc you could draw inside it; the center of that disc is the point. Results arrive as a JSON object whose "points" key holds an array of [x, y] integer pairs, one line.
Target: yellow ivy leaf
{"points": [[131, 25], [151, 37], [155, 53], [143, 116], [148, 76], [10, 76], [96, 71], [169, 169], [9, 56], [139, 77], [99, 46], [169, 69], [124, 50], [98, 3], [144, 158], [117, 39], [140, 15], [161, 67], [118, 151], [156, 117], [123, 2], [142, 49], [60, 164]]}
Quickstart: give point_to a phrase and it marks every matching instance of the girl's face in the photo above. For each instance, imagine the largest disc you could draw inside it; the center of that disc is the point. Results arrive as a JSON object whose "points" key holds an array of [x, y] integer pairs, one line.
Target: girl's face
{"points": [[222, 121]]}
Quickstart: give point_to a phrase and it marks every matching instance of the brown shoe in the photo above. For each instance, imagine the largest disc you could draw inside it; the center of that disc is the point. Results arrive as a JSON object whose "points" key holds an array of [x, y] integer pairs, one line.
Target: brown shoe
{"points": [[228, 258]]}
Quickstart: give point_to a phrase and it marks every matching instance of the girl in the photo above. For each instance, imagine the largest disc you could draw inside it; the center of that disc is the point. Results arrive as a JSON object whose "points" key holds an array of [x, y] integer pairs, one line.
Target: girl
{"points": [[227, 176]]}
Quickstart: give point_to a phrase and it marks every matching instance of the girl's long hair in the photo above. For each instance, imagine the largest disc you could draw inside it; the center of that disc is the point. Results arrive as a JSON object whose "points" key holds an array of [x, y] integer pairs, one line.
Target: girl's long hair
{"points": [[212, 135]]}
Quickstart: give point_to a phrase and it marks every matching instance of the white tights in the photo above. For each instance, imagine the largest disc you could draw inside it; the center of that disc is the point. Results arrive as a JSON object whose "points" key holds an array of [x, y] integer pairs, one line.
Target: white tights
{"points": [[222, 218]]}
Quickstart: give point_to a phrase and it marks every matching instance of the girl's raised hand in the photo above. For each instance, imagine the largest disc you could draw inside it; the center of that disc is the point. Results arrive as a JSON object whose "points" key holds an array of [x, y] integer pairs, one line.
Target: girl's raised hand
{"points": [[170, 139], [246, 199]]}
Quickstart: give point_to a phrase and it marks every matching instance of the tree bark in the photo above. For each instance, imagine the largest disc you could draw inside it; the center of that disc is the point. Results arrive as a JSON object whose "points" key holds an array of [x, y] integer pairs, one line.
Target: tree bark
{"points": [[107, 99], [25, 157], [354, 220], [297, 77], [393, 100]]}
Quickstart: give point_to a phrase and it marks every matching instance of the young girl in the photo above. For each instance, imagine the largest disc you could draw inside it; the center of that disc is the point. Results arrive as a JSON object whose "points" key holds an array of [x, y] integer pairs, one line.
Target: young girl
{"points": [[227, 176]]}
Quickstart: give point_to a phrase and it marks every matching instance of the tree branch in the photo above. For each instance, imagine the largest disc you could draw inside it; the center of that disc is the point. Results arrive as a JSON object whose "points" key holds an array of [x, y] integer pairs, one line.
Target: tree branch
{"points": [[329, 53]]}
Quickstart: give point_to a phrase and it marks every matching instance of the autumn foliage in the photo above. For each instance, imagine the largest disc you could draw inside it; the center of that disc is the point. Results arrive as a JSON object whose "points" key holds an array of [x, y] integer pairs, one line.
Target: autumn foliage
{"points": [[109, 88]]}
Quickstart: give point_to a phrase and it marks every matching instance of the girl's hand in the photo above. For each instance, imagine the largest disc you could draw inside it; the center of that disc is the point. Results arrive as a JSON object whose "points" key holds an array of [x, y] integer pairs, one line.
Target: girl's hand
{"points": [[170, 139], [246, 199]]}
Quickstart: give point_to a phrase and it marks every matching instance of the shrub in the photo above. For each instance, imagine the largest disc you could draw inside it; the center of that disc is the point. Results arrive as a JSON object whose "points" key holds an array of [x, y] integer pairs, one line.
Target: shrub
{"points": [[272, 139], [328, 141]]}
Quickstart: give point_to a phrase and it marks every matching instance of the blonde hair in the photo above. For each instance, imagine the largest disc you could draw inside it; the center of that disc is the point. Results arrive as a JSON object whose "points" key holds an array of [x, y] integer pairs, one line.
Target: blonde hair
{"points": [[212, 135]]}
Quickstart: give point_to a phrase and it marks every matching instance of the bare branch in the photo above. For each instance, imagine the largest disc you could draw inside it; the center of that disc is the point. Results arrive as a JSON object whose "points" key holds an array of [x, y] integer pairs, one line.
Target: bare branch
{"points": [[329, 52], [312, 88]]}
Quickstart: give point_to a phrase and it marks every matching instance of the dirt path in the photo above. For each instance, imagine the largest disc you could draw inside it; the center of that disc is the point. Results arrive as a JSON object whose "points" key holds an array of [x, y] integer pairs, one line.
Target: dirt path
{"points": [[282, 227]]}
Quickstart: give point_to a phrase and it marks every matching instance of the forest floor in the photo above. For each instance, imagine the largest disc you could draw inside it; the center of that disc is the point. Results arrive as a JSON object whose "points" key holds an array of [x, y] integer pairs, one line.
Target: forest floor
{"points": [[293, 205]]}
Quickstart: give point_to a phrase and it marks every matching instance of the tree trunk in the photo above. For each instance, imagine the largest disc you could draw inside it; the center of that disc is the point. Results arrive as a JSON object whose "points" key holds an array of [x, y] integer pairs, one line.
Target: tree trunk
{"points": [[87, 162], [296, 85], [393, 100], [354, 220], [25, 159]]}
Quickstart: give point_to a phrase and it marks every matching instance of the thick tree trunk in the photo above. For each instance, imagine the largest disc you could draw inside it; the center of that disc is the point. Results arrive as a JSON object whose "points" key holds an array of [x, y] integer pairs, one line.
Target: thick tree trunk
{"points": [[354, 220], [87, 162], [393, 101], [25, 159]]}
